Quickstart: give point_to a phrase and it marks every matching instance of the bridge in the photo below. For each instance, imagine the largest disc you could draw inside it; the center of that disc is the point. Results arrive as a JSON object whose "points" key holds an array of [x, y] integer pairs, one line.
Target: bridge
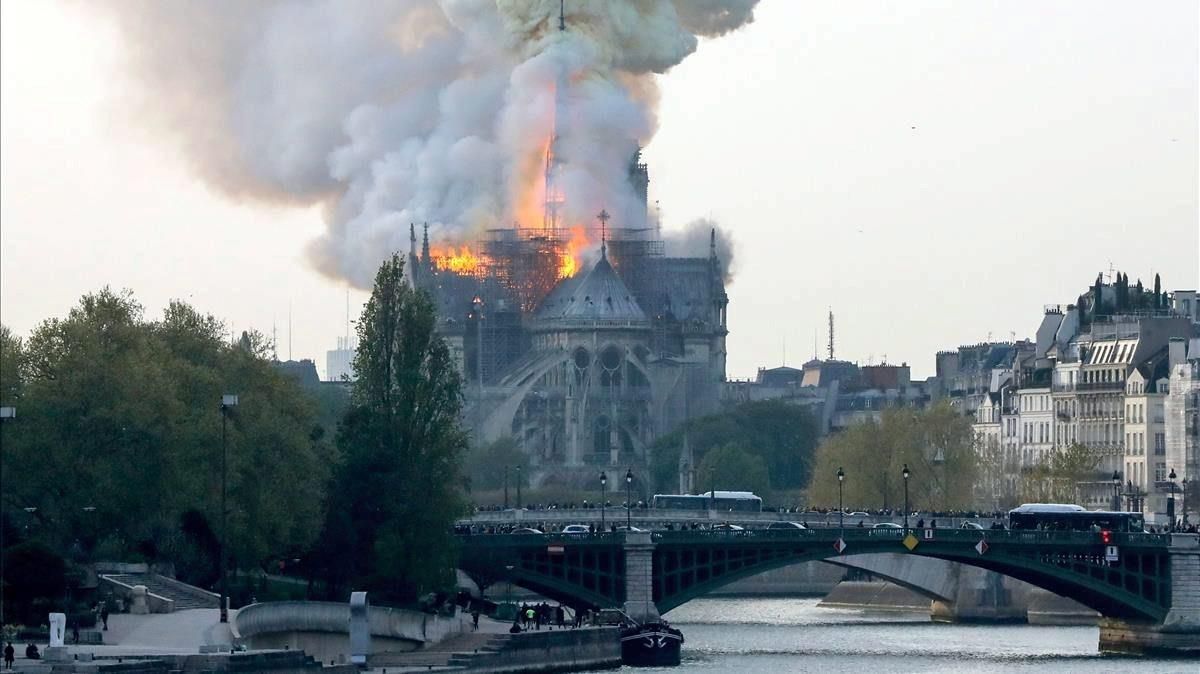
{"points": [[1149, 596]]}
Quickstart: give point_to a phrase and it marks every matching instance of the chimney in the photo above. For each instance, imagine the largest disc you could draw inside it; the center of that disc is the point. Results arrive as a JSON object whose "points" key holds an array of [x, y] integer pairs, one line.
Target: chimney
{"points": [[1177, 351]]}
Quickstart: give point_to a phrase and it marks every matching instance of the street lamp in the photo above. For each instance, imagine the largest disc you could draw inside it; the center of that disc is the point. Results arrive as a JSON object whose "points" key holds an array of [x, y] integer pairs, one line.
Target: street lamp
{"points": [[905, 473], [518, 487], [506, 487], [1183, 504], [1116, 482], [1171, 501], [228, 402], [629, 499], [841, 474], [7, 414], [603, 497]]}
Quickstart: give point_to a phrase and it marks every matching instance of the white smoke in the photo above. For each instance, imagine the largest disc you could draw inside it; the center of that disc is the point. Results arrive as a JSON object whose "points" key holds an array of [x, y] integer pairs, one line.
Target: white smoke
{"points": [[411, 111], [695, 240]]}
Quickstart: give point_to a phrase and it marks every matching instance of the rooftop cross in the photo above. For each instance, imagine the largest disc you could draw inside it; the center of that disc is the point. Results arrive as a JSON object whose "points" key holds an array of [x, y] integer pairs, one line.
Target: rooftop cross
{"points": [[603, 217]]}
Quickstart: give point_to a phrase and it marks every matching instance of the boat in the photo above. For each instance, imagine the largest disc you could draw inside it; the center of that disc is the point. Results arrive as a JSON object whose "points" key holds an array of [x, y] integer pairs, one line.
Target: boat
{"points": [[651, 644]]}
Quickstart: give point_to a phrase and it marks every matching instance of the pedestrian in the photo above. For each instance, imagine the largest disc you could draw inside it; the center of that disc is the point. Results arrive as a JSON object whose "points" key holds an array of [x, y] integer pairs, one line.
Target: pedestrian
{"points": [[9, 655], [475, 620], [921, 523], [529, 617], [560, 615], [104, 615]]}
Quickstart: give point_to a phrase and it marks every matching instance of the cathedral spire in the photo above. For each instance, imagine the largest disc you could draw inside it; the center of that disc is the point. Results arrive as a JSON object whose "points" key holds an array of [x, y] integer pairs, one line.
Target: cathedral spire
{"points": [[603, 218]]}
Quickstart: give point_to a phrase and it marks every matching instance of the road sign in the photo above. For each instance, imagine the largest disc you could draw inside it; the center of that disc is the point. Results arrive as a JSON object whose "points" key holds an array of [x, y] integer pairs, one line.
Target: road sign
{"points": [[910, 542], [1111, 554], [839, 545], [981, 547], [929, 534], [555, 549]]}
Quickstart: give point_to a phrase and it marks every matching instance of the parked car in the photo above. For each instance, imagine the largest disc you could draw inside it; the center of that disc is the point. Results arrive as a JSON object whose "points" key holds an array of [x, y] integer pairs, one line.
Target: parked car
{"points": [[971, 525], [725, 526], [526, 530], [887, 525], [858, 513], [785, 526], [577, 529], [625, 528]]}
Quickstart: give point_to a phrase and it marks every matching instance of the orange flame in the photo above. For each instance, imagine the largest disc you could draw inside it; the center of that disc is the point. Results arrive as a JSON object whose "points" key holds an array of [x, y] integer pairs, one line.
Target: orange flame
{"points": [[462, 262], [569, 263]]}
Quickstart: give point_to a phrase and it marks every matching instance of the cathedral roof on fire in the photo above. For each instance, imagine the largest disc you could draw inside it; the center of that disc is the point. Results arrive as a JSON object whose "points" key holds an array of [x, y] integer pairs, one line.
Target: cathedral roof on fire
{"points": [[598, 299]]}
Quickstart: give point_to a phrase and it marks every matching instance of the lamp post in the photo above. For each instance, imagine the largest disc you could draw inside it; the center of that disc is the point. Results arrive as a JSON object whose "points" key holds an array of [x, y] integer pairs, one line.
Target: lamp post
{"points": [[506, 487], [1183, 503], [1171, 502], [508, 594], [603, 497], [629, 499], [1116, 482], [905, 473], [228, 402], [7, 414], [518, 487], [841, 474]]}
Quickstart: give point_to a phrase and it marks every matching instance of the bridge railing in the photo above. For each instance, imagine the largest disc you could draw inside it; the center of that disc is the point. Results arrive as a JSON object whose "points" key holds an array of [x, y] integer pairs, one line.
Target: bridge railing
{"points": [[971, 536]]}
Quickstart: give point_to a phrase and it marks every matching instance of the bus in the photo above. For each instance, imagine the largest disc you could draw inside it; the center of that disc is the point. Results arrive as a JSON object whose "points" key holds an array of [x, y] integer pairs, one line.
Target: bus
{"points": [[722, 501], [1063, 517]]}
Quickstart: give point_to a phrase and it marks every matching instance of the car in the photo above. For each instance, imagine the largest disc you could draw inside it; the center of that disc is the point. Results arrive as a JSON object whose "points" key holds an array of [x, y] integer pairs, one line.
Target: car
{"points": [[776, 526], [577, 529], [858, 513], [625, 528], [526, 530], [887, 525], [971, 525], [725, 526]]}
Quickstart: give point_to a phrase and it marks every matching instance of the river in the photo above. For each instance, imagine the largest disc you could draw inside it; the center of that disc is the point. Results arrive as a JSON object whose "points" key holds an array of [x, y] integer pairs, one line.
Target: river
{"points": [[752, 636]]}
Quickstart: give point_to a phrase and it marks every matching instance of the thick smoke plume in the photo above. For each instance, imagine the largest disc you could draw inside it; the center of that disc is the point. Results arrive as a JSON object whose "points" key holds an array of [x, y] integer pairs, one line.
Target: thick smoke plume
{"points": [[694, 241], [412, 111]]}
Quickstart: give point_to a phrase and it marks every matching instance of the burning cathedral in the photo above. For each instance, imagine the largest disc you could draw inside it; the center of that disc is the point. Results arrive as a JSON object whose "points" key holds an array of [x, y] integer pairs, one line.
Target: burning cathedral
{"points": [[583, 356]]}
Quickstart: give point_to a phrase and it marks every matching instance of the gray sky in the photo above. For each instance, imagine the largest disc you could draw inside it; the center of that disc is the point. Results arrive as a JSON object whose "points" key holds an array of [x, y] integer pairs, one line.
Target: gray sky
{"points": [[933, 171]]}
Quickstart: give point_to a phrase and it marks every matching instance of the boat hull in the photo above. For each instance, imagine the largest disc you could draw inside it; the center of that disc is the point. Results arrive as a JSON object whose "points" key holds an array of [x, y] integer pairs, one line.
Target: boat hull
{"points": [[653, 645]]}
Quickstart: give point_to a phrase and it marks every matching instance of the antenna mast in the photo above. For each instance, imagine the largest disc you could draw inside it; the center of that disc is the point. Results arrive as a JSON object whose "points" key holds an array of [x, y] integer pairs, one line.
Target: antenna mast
{"points": [[831, 334]]}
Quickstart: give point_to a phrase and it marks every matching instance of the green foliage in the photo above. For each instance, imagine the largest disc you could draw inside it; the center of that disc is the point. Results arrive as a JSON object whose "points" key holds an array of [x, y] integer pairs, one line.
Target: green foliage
{"points": [[119, 434], [784, 436], [733, 468], [937, 445], [398, 489], [490, 463], [1055, 479], [34, 576]]}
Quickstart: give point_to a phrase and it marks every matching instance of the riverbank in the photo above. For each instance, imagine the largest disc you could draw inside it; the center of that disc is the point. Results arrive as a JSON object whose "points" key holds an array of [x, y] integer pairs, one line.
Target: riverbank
{"points": [[1040, 606]]}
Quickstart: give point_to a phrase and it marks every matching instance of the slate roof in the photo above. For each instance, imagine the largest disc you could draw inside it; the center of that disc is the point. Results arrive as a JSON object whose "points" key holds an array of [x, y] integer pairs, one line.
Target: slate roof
{"points": [[598, 297]]}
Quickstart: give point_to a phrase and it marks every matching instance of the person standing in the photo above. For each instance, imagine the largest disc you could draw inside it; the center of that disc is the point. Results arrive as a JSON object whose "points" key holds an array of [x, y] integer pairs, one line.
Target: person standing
{"points": [[475, 620], [104, 615], [10, 654]]}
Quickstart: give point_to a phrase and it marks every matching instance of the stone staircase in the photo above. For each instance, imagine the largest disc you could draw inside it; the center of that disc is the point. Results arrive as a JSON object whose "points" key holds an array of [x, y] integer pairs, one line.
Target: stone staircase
{"points": [[185, 596], [459, 652]]}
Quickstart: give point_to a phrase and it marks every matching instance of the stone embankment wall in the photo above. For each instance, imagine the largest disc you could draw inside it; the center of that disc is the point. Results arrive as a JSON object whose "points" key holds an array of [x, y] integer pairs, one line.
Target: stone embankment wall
{"points": [[558, 651], [321, 629]]}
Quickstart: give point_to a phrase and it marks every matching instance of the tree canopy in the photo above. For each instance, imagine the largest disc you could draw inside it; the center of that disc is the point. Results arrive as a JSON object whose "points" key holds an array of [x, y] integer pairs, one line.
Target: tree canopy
{"points": [[937, 444], [119, 435], [783, 436], [398, 488], [733, 468]]}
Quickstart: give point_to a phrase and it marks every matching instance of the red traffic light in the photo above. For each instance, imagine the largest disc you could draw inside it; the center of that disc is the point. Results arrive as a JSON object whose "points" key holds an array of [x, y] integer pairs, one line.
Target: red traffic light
{"points": [[1106, 537]]}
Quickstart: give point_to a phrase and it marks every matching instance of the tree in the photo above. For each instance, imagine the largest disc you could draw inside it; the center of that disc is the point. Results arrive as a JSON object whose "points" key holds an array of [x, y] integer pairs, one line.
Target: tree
{"points": [[120, 436], [1055, 479], [489, 464], [733, 468], [398, 488], [783, 435], [937, 444]]}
